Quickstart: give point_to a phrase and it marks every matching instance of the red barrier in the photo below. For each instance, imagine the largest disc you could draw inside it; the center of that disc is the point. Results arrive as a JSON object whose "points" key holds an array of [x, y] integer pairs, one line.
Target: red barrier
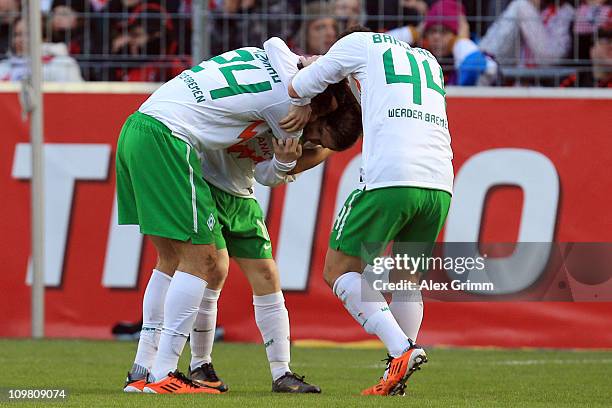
{"points": [[91, 290]]}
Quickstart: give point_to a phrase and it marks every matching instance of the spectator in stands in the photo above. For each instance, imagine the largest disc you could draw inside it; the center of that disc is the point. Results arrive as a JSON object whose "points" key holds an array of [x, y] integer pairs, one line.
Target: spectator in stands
{"points": [[319, 30], [58, 66], [144, 46], [590, 16], [114, 15], [9, 12], [530, 32], [446, 34], [600, 74], [386, 15], [348, 13], [240, 23], [67, 24]]}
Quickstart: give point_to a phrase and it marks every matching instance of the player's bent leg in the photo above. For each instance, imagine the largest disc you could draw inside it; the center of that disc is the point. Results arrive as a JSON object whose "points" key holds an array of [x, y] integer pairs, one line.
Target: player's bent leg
{"points": [[272, 319], [367, 306], [196, 264], [167, 258], [421, 231], [407, 308], [354, 234], [337, 264], [201, 370], [262, 275], [152, 314], [197, 259], [370, 309]]}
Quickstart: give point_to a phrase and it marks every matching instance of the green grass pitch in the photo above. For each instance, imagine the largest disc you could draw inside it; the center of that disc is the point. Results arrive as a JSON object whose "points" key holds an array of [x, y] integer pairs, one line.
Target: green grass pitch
{"points": [[93, 373]]}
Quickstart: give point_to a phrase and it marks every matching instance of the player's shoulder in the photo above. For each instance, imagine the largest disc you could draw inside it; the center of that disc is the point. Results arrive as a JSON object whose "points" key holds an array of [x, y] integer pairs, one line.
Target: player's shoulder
{"points": [[424, 54], [356, 37], [253, 49]]}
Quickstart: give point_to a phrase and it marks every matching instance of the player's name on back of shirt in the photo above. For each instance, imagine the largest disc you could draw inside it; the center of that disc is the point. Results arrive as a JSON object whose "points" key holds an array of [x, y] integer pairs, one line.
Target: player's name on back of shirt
{"points": [[389, 39], [191, 83], [263, 57]]}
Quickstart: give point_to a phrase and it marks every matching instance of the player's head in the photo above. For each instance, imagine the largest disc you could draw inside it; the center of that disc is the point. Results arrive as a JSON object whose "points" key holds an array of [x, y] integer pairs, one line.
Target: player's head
{"points": [[336, 118]]}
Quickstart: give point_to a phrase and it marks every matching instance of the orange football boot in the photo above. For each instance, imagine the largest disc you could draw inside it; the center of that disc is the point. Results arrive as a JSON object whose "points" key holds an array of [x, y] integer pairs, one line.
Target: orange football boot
{"points": [[132, 385], [377, 389], [398, 371], [177, 383]]}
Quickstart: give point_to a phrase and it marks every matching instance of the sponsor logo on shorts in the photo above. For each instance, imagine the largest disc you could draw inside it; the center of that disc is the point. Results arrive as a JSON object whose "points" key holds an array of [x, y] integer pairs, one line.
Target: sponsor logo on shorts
{"points": [[211, 222]]}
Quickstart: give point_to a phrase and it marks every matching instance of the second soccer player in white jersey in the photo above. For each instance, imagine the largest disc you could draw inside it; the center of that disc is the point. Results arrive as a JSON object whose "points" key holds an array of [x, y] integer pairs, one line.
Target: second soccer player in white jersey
{"points": [[231, 174], [407, 177], [160, 188], [217, 104]]}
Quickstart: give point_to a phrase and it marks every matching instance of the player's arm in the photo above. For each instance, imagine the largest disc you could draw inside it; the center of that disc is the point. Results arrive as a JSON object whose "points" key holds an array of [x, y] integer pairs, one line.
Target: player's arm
{"points": [[311, 158], [276, 171], [285, 62], [343, 125], [348, 55]]}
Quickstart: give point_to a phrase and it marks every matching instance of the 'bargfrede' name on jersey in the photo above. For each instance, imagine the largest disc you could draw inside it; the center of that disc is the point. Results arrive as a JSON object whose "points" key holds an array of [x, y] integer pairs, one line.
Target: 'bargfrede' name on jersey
{"points": [[406, 141], [215, 104]]}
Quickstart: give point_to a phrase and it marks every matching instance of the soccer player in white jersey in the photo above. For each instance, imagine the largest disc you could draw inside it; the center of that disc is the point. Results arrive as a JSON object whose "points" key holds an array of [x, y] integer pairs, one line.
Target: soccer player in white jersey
{"points": [[231, 174], [160, 188], [407, 177]]}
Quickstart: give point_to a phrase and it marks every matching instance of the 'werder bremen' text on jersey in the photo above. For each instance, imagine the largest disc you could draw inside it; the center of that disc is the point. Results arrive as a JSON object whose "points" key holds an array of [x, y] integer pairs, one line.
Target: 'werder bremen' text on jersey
{"points": [[406, 141], [214, 104]]}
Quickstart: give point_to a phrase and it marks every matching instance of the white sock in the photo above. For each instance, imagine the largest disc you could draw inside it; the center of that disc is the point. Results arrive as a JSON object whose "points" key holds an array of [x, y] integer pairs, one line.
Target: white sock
{"points": [[203, 333], [407, 308], [152, 322], [180, 309], [370, 309], [272, 319]]}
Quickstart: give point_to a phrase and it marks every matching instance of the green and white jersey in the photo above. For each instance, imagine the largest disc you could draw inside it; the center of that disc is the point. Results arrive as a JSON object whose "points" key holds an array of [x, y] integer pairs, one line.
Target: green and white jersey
{"points": [[233, 169], [214, 104], [406, 141]]}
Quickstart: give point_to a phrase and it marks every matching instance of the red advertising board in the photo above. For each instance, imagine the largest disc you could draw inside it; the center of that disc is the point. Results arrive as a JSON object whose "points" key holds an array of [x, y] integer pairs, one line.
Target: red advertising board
{"points": [[550, 154]]}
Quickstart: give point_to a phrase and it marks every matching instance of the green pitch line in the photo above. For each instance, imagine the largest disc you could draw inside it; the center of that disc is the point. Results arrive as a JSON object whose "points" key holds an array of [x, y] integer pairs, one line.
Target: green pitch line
{"points": [[93, 373]]}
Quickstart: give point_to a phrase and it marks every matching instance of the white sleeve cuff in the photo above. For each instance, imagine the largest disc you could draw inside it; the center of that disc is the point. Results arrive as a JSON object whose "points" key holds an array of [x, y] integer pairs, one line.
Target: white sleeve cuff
{"points": [[273, 172], [300, 101]]}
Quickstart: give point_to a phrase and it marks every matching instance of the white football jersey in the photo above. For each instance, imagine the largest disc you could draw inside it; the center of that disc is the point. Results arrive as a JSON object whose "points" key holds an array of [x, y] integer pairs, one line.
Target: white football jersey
{"points": [[406, 141], [215, 104], [232, 169]]}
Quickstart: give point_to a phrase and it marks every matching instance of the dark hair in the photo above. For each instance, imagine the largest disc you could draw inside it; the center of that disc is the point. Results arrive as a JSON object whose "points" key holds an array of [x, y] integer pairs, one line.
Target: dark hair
{"points": [[345, 122], [354, 29], [604, 32], [347, 128]]}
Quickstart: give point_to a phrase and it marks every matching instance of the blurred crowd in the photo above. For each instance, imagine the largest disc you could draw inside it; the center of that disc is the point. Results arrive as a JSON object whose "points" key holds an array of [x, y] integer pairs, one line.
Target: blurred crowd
{"points": [[564, 43]]}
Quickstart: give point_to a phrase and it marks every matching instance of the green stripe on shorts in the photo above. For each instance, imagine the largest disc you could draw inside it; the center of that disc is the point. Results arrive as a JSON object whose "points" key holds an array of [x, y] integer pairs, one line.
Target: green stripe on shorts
{"points": [[159, 184], [371, 219]]}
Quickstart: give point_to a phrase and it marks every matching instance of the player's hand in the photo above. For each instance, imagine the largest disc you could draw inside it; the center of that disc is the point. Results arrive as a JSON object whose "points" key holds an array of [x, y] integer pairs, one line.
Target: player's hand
{"points": [[288, 150], [296, 119], [306, 61]]}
